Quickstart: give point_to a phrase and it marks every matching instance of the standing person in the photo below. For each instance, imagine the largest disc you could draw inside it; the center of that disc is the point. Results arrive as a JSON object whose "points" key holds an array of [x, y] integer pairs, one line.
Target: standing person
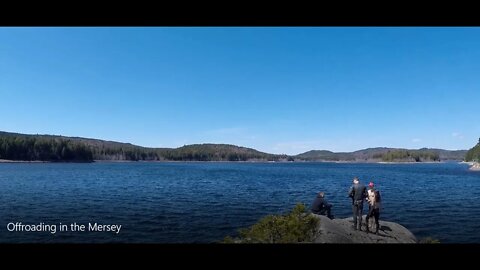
{"points": [[373, 198], [320, 206], [358, 193]]}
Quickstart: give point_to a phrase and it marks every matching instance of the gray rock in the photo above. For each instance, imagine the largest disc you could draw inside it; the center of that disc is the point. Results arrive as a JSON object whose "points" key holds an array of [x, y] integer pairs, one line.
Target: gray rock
{"points": [[475, 166], [341, 231]]}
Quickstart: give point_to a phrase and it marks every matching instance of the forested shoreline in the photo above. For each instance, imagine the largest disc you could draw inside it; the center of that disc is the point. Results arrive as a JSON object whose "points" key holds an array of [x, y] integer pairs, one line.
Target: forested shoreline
{"points": [[23, 147], [474, 153], [53, 148]]}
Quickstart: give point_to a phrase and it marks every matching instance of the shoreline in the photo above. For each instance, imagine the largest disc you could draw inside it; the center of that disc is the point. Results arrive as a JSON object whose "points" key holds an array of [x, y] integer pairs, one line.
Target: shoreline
{"points": [[474, 166], [380, 162], [40, 161], [22, 161], [408, 162], [467, 162]]}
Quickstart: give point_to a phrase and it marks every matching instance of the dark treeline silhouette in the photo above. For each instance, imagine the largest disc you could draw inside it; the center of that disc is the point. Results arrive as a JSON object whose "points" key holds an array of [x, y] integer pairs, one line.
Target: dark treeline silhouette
{"points": [[14, 146], [31, 148]]}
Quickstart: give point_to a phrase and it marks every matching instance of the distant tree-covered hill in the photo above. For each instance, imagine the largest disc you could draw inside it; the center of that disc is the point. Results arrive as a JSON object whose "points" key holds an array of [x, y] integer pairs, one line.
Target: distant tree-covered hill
{"points": [[474, 153], [384, 154], [325, 155], [15, 146], [219, 152]]}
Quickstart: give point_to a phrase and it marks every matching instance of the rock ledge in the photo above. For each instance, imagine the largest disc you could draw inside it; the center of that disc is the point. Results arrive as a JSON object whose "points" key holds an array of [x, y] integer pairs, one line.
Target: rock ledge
{"points": [[341, 231]]}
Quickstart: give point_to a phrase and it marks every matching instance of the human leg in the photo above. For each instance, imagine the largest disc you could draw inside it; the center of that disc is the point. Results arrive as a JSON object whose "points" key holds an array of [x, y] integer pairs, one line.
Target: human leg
{"points": [[359, 214], [369, 214], [329, 211], [377, 217], [354, 210]]}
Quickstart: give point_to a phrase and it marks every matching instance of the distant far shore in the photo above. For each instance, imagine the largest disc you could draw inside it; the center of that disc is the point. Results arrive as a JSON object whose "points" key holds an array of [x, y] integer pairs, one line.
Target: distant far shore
{"points": [[55, 148], [282, 161], [190, 161], [22, 161], [474, 166], [408, 162], [40, 161], [141, 161], [371, 162]]}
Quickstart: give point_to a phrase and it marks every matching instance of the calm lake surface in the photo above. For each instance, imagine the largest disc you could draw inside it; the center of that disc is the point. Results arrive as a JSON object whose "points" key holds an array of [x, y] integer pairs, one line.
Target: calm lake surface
{"points": [[204, 202]]}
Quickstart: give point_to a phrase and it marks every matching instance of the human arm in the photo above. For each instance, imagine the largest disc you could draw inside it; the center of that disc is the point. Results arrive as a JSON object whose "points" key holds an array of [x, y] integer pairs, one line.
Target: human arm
{"points": [[351, 192]]}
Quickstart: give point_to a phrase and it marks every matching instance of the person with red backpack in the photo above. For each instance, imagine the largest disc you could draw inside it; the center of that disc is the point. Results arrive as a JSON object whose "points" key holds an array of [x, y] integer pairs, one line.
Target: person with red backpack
{"points": [[374, 200]]}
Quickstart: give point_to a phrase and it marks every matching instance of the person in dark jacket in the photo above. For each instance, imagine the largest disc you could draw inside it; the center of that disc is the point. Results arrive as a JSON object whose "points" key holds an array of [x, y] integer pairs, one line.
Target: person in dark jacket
{"points": [[320, 206], [358, 193]]}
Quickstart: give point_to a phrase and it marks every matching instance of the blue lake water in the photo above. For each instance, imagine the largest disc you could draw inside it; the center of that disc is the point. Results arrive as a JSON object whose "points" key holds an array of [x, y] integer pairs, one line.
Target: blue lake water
{"points": [[204, 202]]}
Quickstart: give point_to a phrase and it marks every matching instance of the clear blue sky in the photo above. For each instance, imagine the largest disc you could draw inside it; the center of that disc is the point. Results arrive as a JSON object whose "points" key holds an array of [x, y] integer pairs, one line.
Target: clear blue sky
{"points": [[279, 90]]}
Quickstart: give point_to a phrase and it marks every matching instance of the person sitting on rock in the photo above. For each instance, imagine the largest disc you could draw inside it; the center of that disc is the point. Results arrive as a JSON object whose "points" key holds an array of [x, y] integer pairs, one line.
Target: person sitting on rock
{"points": [[320, 206], [373, 199]]}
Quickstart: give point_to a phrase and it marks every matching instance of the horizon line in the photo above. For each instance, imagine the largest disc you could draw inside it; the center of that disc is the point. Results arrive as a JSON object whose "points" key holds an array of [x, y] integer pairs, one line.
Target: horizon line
{"points": [[154, 147]]}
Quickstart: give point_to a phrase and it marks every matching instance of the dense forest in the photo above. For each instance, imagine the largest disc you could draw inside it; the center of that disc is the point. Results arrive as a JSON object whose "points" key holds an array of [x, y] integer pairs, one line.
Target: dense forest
{"points": [[474, 153], [31, 148], [220, 152], [14, 146], [408, 155]]}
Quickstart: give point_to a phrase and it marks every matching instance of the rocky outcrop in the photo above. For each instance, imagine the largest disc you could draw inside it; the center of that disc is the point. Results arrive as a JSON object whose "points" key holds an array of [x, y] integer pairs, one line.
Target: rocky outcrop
{"points": [[341, 231], [475, 166]]}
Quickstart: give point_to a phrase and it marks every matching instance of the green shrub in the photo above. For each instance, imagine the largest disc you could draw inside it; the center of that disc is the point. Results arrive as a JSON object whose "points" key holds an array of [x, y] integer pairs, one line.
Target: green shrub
{"points": [[295, 227]]}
